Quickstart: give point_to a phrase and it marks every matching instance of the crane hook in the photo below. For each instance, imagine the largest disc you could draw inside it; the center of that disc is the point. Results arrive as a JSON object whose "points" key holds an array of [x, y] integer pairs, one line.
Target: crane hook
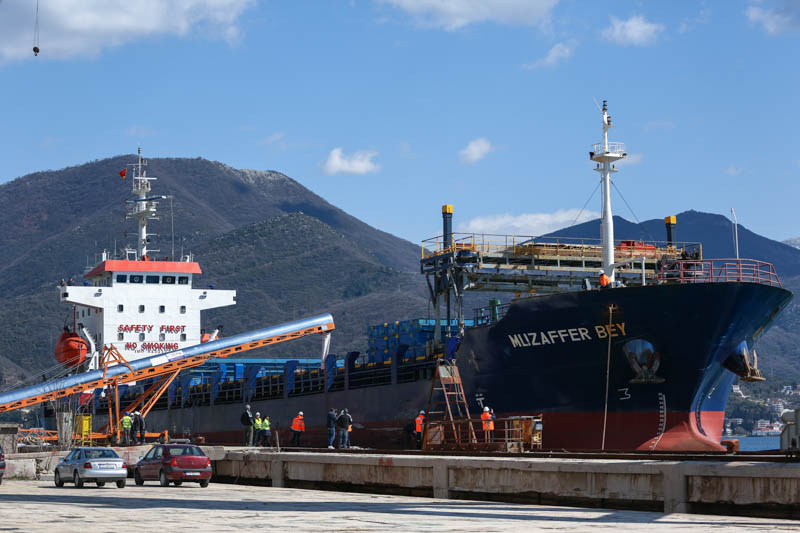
{"points": [[36, 32]]}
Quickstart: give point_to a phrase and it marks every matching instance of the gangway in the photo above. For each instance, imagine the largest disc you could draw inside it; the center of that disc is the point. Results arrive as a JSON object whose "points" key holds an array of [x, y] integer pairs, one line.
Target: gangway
{"points": [[116, 371]]}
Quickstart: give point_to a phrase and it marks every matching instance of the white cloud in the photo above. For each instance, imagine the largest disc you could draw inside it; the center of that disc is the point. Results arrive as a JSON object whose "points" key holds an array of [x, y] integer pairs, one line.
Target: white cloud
{"points": [[358, 163], [733, 170], [454, 14], [275, 137], [632, 159], [557, 53], [476, 150], [635, 31], [70, 28], [775, 21], [529, 224]]}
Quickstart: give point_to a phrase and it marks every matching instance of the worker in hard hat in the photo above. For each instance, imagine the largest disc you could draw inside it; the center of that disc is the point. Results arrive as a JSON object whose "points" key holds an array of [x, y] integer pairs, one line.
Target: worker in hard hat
{"points": [[487, 422], [604, 280], [298, 427], [257, 427], [419, 428], [126, 423], [266, 432]]}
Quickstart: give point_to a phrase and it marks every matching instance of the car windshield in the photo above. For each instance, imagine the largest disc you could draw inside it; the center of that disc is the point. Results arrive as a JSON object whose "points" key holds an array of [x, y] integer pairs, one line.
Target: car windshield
{"points": [[175, 451], [101, 454]]}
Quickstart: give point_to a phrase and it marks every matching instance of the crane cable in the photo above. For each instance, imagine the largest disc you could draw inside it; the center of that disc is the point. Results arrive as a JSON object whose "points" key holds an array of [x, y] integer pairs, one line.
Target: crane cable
{"points": [[36, 32]]}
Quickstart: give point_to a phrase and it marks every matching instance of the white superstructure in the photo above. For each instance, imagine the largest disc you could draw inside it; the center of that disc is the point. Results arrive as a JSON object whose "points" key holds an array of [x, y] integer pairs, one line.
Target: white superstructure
{"points": [[141, 305]]}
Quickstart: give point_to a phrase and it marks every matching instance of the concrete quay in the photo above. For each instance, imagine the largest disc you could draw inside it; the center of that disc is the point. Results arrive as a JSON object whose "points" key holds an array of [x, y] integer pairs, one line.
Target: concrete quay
{"points": [[730, 488], [40, 507]]}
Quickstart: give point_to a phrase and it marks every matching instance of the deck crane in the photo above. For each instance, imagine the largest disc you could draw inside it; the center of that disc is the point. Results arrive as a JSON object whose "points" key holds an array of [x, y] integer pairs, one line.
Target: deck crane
{"points": [[115, 370]]}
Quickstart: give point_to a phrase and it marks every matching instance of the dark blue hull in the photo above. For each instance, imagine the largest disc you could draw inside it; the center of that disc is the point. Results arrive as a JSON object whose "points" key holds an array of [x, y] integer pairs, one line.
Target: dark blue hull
{"points": [[668, 353]]}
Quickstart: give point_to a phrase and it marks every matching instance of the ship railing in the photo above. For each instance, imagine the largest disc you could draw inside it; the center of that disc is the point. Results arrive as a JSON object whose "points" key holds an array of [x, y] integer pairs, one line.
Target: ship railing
{"points": [[489, 314], [613, 147], [572, 247], [719, 271], [514, 434]]}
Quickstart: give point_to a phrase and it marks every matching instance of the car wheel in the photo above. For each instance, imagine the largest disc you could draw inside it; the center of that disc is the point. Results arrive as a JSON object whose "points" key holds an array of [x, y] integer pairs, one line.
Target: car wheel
{"points": [[204, 483], [162, 479], [137, 477], [101, 483], [77, 480], [121, 483], [57, 479], [178, 483]]}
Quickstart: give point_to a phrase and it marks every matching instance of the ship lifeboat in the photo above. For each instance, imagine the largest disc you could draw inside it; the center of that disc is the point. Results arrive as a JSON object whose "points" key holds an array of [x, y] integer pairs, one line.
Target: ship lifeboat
{"points": [[71, 349]]}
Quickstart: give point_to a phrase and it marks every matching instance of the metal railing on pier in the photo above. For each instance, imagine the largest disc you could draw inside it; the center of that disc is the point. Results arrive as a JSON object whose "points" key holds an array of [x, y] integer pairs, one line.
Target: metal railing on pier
{"points": [[512, 434]]}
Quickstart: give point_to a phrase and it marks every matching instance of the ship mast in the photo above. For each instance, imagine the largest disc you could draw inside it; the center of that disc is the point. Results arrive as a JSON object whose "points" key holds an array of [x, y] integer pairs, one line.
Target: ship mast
{"points": [[605, 153], [143, 208]]}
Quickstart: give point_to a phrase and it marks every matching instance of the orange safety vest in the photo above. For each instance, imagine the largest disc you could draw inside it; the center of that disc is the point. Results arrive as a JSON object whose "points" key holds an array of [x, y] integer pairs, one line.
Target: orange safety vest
{"points": [[420, 420], [298, 424], [488, 423]]}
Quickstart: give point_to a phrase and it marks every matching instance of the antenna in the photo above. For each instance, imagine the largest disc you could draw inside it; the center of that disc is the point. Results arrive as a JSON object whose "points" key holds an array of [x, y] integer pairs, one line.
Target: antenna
{"points": [[735, 233], [172, 223]]}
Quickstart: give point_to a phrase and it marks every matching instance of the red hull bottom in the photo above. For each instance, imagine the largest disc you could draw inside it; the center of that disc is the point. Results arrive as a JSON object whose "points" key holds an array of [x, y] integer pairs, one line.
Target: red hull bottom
{"points": [[568, 431], [634, 431]]}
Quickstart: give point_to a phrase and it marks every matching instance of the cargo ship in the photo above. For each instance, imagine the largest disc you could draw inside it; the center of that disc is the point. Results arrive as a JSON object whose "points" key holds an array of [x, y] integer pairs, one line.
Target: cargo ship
{"points": [[619, 345]]}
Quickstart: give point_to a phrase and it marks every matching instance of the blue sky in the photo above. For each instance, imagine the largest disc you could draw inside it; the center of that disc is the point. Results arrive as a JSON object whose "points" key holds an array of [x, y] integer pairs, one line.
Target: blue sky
{"points": [[390, 108]]}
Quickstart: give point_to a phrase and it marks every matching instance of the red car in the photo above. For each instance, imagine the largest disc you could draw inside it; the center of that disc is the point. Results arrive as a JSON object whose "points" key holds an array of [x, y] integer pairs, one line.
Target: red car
{"points": [[174, 463]]}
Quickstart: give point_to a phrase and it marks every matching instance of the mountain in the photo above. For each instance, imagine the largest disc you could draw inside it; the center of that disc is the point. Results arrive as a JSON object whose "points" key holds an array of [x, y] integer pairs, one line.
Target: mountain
{"points": [[795, 241], [55, 221], [288, 252]]}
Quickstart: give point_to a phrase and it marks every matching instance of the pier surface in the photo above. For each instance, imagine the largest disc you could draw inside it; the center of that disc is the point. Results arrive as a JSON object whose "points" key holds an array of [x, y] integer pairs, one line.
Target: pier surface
{"points": [[38, 506]]}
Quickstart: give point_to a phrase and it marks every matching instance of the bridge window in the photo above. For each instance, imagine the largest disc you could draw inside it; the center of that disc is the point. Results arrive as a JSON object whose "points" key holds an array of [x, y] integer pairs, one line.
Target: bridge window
{"points": [[120, 308], [120, 336], [161, 308], [183, 336], [122, 278], [168, 280], [137, 278], [141, 336], [151, 279], [183, 309], [183, 280], [141, 309]]}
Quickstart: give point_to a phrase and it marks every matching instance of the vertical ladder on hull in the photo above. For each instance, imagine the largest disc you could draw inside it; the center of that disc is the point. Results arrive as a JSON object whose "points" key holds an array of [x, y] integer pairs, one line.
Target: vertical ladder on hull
{"points": [[662, 421], [446, 404]]}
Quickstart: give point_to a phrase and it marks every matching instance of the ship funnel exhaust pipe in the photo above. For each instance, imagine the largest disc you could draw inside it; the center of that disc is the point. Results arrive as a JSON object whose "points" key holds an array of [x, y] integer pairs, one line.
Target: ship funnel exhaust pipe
{"points": [[670, 222], [447, 225]]}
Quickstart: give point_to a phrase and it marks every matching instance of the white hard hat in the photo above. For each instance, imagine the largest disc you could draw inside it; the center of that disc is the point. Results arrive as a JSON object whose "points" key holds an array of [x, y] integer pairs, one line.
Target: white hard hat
{"points": [[422, 412], [300, 413], [486, 409], [258, 414]]}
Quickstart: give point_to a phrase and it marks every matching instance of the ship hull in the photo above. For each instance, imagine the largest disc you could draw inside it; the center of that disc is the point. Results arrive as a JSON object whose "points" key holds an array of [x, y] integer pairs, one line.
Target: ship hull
{"points": [[640, 368]]}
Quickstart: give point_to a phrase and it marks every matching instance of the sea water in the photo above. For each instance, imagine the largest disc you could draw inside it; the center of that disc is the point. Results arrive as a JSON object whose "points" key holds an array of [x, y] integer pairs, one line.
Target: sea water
{"points": [[755, 444]]}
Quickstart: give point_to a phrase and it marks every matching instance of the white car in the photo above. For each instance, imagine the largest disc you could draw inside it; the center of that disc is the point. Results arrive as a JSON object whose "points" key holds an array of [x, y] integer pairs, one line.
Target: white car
{"points": [[93, 465]]}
